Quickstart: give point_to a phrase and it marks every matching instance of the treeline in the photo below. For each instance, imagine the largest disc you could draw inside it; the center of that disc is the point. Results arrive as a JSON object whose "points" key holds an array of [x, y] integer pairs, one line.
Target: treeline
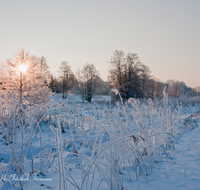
{"points": [[131, 77], [134, 79], [85, 81], [126, 73]]}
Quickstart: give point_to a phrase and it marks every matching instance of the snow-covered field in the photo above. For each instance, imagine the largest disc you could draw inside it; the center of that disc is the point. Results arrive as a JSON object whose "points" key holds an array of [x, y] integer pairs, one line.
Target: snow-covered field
{"points": [[102, 146]]}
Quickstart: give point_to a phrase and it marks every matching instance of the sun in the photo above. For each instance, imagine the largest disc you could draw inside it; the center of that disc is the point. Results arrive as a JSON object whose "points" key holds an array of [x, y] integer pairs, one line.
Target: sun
{"points": [[23, 68]]}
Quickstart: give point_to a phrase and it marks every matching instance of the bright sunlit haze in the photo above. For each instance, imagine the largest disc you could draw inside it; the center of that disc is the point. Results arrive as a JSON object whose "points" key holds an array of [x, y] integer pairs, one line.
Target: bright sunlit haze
{"points": [[164, 34], [23, 68]]}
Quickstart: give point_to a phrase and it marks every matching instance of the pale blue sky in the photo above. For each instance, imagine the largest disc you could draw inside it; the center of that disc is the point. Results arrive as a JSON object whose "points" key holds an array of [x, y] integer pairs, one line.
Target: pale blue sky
{"points": [[164, 34]]}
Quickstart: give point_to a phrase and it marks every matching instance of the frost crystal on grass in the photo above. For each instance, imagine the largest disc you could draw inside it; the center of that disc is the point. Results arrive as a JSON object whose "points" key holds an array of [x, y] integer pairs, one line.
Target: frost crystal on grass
{"points": [[131, 100], [97, 148], [115, 91]]}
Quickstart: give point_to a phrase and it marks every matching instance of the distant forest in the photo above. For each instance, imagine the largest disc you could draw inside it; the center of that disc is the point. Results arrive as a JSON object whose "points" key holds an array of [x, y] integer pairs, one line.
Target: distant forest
{"points": [[126, 73]]}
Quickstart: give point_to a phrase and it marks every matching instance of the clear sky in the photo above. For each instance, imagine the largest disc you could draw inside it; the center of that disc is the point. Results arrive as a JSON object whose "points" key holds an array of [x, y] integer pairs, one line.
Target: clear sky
{"points": [[164, 33]]}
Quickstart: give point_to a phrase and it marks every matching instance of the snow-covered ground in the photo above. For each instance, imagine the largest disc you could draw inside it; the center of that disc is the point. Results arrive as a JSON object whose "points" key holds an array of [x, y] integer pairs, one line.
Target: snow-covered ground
{"points": [[179, 170], [76, 99], [88, 131]]}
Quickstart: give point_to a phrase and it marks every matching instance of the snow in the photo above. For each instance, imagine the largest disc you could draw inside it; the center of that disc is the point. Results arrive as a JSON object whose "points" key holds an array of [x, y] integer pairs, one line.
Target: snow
{"points": [[181, 169], [178, 169], [76, 99]]}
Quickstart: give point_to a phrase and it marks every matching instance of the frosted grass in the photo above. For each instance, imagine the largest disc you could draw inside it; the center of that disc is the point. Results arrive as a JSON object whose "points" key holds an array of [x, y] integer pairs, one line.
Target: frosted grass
{"points": [[90, 146]]}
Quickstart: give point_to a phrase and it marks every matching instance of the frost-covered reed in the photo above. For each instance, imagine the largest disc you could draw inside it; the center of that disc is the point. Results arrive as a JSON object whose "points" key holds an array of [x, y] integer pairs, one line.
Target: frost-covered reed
{"points": [[96, 146]]}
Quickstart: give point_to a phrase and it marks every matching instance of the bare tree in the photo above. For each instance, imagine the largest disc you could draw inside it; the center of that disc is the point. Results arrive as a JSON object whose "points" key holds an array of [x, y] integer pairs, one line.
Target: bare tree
{"points": [[117, 62], [67, 77], [87, 82], [132, 84], [175, 88], [129, 75], [158, 88], [54, 84], [22, 81], [44, 69], [145, 75]]}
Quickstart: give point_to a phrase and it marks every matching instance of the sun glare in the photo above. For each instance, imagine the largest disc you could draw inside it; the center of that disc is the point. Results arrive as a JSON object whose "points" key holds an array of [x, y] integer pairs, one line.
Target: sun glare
{"points": [[23, 68]]}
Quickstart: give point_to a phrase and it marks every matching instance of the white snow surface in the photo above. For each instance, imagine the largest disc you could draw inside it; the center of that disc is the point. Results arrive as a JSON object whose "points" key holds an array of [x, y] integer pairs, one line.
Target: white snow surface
{"points": [[181, 169], [178, 170]]}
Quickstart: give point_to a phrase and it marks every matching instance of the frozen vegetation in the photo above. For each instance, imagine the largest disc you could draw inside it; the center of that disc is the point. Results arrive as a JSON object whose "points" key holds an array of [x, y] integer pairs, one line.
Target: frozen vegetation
{"points": [[138, 144]]}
